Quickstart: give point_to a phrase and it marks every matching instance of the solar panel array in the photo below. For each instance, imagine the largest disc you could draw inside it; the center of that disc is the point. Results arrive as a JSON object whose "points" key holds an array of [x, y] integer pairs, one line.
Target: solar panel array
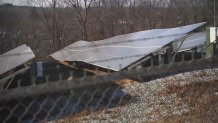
{"points": [[120, 51], [15, 58], [192, 41]]}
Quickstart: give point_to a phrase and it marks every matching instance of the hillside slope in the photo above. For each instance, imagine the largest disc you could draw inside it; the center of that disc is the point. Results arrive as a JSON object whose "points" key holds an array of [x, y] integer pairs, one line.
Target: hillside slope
{"points": [[185, 97]]}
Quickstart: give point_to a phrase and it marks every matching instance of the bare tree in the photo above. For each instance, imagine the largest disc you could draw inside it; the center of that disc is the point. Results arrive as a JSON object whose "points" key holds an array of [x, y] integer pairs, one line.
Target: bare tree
{"points": [[53, 24], [82, 8], [212, 6], [53, 20]]}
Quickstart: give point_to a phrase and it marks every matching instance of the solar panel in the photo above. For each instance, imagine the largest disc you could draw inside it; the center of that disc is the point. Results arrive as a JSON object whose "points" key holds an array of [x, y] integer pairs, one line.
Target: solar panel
{"points": [[120, 51], [15, 58], [192, 41]]}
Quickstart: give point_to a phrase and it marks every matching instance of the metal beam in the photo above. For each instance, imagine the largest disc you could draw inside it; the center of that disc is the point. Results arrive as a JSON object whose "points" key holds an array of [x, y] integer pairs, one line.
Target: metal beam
{"points": [[62, 85], [96, 72], [4, 80]]}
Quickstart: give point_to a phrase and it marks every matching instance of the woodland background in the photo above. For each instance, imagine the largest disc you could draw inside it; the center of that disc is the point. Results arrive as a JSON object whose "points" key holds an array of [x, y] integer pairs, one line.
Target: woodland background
{"points": [[49, 25]]}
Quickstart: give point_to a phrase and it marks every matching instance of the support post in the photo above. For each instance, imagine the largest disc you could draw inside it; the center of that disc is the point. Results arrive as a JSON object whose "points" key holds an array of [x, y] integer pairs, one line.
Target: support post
{"points": [[169, 52], [211, 37]]}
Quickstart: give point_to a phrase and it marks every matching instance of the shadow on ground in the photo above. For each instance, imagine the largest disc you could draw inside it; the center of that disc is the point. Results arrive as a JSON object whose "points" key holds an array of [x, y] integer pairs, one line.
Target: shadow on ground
{"points": [[62, 104]]}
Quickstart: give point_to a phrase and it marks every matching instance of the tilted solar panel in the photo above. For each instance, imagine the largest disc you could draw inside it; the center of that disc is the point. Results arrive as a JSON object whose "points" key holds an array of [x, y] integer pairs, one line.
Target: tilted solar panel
{"points": [[192, 41], [120, 51], [15, 58]]}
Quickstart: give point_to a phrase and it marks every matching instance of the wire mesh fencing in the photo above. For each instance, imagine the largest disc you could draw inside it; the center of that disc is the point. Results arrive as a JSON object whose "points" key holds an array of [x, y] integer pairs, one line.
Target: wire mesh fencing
{"points": [[165, 93], [56, 105]]}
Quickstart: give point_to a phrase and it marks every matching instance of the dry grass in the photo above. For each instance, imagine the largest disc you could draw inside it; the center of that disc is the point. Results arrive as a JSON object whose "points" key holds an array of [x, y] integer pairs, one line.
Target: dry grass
{"points": [[125, 82], [201, 99], [76, 117]]}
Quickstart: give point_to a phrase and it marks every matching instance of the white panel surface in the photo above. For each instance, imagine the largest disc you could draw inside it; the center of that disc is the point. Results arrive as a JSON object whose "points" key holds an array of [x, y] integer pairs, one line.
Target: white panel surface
{"points": [[192, 41], [15, 58], [212, 34], [121, 51], [39, 69]]}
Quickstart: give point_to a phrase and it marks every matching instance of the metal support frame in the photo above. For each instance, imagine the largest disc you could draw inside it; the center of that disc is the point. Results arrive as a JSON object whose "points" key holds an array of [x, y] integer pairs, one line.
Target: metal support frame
{"points": [[3, 81], [183, 40], [116, 76], [96, 72], [144, 59]]}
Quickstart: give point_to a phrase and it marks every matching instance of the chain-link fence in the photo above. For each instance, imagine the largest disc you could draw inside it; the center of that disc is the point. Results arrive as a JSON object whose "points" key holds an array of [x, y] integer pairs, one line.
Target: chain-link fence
{"points": [[180, 92]]}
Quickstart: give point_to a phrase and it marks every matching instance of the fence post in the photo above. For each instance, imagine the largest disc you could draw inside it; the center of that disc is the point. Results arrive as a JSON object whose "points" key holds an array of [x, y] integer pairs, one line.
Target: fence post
{"points": [[169, 55]]}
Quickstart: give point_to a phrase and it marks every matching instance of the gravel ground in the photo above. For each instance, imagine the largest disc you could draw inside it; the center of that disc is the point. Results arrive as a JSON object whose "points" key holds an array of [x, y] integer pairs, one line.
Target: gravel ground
{"points": [[151, 102]]}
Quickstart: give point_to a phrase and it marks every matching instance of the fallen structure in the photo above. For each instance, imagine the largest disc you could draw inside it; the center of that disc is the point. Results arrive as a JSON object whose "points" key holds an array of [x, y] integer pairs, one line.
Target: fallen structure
{"points": [[123, 51], [13, 63]]}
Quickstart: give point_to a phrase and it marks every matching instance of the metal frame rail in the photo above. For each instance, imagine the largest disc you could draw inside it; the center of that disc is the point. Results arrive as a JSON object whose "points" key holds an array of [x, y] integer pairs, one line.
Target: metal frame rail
{"points": [[139, 74]]}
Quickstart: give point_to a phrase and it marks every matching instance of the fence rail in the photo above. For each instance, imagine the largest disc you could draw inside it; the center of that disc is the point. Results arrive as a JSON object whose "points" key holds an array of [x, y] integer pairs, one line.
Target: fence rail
{"points": [[139, 74], [117, 92]]}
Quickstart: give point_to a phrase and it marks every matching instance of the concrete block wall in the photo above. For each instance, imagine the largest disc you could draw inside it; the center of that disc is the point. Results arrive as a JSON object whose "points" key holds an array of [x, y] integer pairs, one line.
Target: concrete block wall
{"points": [[51, 72]]}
